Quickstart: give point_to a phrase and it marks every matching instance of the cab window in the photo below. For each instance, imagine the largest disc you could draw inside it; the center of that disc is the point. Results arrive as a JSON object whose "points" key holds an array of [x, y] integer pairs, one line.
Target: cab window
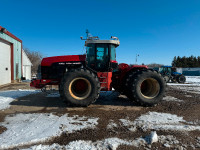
{"points": [[90, 49], [113, 52]]}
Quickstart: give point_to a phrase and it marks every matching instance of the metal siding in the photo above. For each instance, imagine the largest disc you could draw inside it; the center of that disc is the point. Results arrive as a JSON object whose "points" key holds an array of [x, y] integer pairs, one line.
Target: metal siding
{"points": [[17, 52]]}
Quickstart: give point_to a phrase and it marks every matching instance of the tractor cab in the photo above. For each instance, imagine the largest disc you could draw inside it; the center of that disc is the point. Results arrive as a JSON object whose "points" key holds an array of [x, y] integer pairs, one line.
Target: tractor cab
{"points": [[101, 54], [165, 70], [168, 70]]}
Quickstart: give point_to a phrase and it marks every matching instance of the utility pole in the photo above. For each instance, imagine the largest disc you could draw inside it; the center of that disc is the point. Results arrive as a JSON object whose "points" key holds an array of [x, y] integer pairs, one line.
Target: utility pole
{"points": [[87, 33]]}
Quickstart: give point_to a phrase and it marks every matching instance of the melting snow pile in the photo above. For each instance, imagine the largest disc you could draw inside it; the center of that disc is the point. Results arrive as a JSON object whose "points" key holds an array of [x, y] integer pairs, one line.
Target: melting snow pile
{"points": [[31, 128], [6, 97], [160, 121]]}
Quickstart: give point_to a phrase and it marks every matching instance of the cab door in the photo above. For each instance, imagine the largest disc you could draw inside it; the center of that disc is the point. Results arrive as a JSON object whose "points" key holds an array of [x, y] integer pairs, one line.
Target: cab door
{"points": [[102, 58]]}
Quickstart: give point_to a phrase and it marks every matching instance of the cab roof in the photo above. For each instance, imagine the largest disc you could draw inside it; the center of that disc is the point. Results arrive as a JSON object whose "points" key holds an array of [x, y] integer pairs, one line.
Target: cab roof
{"points": [[114, 41]]}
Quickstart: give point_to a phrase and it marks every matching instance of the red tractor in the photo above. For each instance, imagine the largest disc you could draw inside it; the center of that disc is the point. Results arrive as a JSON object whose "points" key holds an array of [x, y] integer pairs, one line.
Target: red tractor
{"points": [[80, 78]]}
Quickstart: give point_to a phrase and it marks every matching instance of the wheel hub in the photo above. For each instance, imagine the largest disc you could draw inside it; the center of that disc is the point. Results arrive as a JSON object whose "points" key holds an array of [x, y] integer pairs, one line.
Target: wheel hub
{"points": [[149, 88], [80, 88]]}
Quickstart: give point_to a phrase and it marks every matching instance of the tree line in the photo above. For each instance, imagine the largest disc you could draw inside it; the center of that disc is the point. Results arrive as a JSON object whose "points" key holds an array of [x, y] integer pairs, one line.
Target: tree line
{"points": [[186, 62]]}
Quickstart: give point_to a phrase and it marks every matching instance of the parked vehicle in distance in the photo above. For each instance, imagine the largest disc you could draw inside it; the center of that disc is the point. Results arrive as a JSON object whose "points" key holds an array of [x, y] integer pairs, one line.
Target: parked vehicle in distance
{"points": [[170, 74]]}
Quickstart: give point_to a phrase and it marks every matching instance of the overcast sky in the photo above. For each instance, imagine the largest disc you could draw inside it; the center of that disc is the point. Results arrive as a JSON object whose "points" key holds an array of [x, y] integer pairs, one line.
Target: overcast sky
{"points": [[157, 30]]}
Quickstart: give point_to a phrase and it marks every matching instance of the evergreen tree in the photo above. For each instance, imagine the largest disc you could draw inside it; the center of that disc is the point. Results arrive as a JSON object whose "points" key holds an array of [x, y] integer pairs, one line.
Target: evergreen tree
{"points": [[198, 60], [185, 62], [174, 62]]}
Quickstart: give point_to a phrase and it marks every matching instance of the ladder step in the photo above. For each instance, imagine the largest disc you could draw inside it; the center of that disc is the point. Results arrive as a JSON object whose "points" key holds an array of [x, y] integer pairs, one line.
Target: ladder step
{"points": [[103, 82], [102, 77]]}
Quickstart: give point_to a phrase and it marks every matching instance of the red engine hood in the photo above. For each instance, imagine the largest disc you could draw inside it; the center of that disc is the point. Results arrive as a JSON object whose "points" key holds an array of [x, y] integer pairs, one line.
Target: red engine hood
{"points": [[48, 61]]}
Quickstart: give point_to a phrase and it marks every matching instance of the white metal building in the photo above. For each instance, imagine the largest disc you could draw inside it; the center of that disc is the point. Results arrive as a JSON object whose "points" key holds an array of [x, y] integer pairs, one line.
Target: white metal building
{"points": [[26, 66]]}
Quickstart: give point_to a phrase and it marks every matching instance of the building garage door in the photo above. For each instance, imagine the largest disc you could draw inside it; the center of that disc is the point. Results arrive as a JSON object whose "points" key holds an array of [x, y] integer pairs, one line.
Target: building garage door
{"points": [[5, 63]]}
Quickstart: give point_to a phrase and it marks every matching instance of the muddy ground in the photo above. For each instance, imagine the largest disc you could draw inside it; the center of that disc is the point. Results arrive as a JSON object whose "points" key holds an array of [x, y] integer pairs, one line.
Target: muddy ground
{"points": [[107, 107]]}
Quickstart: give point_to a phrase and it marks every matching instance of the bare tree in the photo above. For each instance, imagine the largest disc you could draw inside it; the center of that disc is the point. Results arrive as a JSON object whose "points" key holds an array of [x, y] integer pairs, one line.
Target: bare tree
{"points": [[152, 65], [35, 58]]}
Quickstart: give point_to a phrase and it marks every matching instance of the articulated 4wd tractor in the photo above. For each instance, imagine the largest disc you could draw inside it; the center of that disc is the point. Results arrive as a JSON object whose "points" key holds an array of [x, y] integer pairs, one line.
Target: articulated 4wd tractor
{"points": [[80, 78]]}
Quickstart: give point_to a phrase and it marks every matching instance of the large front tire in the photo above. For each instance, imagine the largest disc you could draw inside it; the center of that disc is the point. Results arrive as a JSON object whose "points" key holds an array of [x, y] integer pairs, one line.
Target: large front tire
{"points": [[80, 87], [181, 79], [147, 88]]}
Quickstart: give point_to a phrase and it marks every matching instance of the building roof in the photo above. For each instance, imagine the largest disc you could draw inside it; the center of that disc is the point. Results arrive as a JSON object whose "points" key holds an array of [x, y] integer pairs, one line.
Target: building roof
{"points": [[4, 30]]}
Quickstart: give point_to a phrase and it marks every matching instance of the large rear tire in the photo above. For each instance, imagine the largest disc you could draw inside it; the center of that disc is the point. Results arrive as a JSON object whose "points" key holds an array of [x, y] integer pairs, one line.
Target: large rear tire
{"points": [[80, 87], [146, 87]]}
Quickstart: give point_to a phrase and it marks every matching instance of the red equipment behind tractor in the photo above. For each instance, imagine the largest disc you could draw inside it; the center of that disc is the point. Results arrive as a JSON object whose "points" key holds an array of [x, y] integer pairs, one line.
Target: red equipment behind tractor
{"points": [[81, 77]]}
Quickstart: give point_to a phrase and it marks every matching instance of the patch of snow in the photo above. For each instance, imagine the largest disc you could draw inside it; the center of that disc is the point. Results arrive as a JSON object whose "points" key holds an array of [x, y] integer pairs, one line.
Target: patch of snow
{"points": [[179, 84], [129, 124], [167, 145], [111, 124], [188, 95], [45, 147], [32, 128], [163, 121], [106, 144], [6, 97], [193, 79], [192, 85], [160, 121], [111, 143], [191, 89], [170, 98]]}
